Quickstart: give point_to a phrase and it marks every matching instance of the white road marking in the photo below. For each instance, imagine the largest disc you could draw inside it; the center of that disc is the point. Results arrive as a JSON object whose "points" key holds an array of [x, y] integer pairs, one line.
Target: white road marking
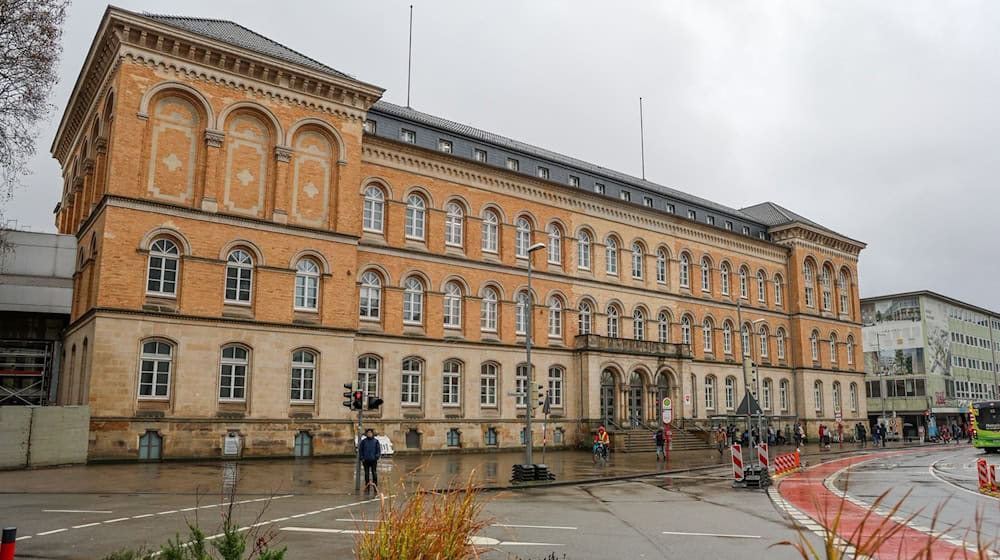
{"points": [[54, 531], [722, 535], [168, 512], [117, 520], [74, 511], [320, 530], [84, 526], [475, 539], [535, 527], [24, 538], [143, 516]]}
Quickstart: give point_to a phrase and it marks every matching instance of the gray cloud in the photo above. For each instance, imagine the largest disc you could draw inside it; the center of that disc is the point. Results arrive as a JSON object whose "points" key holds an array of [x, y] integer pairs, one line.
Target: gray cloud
{"points": [[874, 118]]}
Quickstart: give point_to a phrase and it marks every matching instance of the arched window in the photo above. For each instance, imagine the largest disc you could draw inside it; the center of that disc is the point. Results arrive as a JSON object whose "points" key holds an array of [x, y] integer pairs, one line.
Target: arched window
{"points": [[451, 383], [818, 396], [850, 350], [491, 232], [706, 275], [777, 289], [453, 305], [854, 397], [416, 213], [239, 277], [583, 250], [521, 310], [638, 325], [766, 395], [555, 244], [611, 256], [413, 370], [155, 367], [661, 266], [585, 318], [556, 376], [706, 335], [413, 301], [613, 321], [827, 288], [710, 392], [781, 343], [724, 273], [762, 339], [555, 318], [814, 346], [637, 255], [522, 238], [373, 215], [730, 393], [727, 337], [370, 296], [521, 385], [843, 291], [808, 279], [454, 225], [685, 330], [368, 373], [744, 289], [488, 377], [663, 328], [745, 340], [488, 311], [761, 290], [233, 373], [833, 350], [685, 271], [161, 276], [783, 394], [307, 285], [303, 376], [836, 396]]}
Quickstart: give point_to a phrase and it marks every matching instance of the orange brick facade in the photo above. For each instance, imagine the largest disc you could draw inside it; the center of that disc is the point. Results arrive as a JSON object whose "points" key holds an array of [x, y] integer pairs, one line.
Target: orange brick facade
{"points": [[173, 141]]}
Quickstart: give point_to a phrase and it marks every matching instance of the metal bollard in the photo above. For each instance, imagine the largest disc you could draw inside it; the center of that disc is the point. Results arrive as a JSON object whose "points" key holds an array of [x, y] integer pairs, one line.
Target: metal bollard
{"points": [[7, 543]]}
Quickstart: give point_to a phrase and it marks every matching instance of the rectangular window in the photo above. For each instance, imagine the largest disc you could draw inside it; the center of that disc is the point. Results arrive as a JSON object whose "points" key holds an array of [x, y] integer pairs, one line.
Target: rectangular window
{"points": [[521, 386], [407, 136], [625, 195], [490, 437], [444, 145], [154, 370], [410, 389], [692, 215], [647, 201], [479, 155], [670, 209], [555, 387], [513, 164], [761, 235], [450, 384], [710, 220], [370, 126], [488, 385], [599, 188], [233, 374], [746, 230], [729, 225], [543, 172], [574, 181]]}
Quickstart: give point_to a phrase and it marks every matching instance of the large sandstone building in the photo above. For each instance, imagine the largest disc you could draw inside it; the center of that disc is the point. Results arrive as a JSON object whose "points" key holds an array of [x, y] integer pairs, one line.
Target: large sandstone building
{"points": [[256, 229]]}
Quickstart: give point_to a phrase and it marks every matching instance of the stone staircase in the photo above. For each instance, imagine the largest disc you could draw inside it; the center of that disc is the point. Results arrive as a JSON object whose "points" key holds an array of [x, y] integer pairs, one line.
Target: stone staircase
{"points": [[642, 440]]}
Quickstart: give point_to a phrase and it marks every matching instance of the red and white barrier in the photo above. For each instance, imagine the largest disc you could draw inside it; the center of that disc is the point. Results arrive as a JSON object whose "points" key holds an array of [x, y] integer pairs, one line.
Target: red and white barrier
{"points": [[786, 463], [993, 479], [8, 543], [984, 474], [762, 457], [737, 452]]}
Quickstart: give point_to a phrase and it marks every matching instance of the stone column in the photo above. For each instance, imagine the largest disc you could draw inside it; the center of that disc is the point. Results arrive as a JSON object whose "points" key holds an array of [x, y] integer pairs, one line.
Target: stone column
{"points": [[282, 157], [213, 148], [78, 204], [88, 187], [100, 176]]}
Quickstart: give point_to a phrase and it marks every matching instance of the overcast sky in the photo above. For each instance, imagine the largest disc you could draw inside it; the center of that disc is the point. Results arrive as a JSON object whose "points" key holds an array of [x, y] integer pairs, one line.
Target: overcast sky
{"points": [[875, 119]]}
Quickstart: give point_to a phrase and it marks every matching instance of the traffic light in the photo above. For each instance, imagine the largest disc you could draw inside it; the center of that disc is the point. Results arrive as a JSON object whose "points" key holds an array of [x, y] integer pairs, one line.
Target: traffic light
{"points": [[374, 403], [540, 394], [349, 395], [357, 403]]}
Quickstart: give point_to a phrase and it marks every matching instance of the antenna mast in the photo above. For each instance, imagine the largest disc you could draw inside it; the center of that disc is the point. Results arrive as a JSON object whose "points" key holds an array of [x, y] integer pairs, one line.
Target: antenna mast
{"points": [[409, 61], [642, 142]]}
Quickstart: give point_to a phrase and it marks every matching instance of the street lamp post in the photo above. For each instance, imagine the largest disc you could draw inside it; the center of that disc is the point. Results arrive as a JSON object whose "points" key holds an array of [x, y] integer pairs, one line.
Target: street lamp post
{"points": [[879, 372], [528, 397]]}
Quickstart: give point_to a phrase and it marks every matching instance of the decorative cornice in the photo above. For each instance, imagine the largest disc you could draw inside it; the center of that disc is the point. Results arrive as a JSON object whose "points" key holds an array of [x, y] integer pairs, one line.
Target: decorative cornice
{"points": [[283, 153], [88, 166], [798, 231], [101, 145], [214, 138], [414, 160]]}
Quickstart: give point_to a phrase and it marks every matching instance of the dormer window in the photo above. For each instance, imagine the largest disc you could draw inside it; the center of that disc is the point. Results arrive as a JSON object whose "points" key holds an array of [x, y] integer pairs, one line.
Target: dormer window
{"points": [[408, 136]]}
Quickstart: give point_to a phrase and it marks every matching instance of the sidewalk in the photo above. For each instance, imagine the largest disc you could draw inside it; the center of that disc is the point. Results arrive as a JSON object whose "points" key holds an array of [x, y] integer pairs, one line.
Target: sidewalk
{"points": [[336, 475]]}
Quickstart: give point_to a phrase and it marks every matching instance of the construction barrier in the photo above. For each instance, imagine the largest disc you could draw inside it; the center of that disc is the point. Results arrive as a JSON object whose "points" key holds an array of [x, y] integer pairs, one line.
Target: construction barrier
{"points": [[993, 479], [762, 457], [7, 543], [787, 463], [984, 475], [737, 452]]}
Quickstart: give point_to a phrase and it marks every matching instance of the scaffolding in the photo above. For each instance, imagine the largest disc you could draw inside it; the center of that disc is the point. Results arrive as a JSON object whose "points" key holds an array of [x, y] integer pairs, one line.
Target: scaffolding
{"points": [[25, 372]]}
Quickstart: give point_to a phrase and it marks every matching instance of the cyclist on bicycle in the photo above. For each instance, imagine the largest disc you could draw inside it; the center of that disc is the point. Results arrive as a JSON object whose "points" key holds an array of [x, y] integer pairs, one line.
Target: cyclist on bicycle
{"points": [[601, 441]]}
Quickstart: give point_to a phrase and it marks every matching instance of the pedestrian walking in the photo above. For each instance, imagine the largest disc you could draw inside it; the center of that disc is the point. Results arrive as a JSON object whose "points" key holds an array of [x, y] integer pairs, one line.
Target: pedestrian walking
{"points": [[822, 435], [371, 451], [720, 440], [661, 445], [883, 433], [862, 435]]}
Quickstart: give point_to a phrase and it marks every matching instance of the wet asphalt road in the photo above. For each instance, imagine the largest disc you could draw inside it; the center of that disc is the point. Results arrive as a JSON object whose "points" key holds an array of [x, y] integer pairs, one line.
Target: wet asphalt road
{"points": [[938, 488]]}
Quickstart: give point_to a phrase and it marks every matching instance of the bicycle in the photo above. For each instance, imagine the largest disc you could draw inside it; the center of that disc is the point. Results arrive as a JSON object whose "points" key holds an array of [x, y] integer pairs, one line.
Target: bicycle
{"points": [[600, 452]]}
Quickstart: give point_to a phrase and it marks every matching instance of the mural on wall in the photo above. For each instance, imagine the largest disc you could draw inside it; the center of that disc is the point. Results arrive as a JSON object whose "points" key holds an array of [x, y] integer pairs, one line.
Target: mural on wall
{"points": [[894, 342], [938, 333]]}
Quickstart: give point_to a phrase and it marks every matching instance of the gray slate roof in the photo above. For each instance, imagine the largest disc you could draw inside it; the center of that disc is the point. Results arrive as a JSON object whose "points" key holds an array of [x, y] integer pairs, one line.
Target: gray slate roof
{"points": [[239, 36], [541, 153], [771, 215]]}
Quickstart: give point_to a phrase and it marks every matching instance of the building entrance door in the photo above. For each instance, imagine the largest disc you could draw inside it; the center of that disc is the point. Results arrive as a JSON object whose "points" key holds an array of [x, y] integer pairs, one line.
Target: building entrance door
{"points": [[607, 397]]}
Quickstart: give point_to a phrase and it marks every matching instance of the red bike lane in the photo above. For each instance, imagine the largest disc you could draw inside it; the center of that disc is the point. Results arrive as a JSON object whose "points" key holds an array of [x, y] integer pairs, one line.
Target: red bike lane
{"points": [[805, 491]]}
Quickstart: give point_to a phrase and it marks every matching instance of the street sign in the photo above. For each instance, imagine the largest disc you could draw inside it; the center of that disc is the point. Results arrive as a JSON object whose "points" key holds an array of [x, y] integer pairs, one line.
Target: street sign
{"points": [[687, 398], [837, 415], [668, 411]]}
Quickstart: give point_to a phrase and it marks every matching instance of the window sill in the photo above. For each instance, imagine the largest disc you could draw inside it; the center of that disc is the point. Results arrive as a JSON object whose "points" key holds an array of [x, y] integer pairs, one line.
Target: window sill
{"points": [[454, 250], [237, 310], [413, 330], [373, 238]]}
